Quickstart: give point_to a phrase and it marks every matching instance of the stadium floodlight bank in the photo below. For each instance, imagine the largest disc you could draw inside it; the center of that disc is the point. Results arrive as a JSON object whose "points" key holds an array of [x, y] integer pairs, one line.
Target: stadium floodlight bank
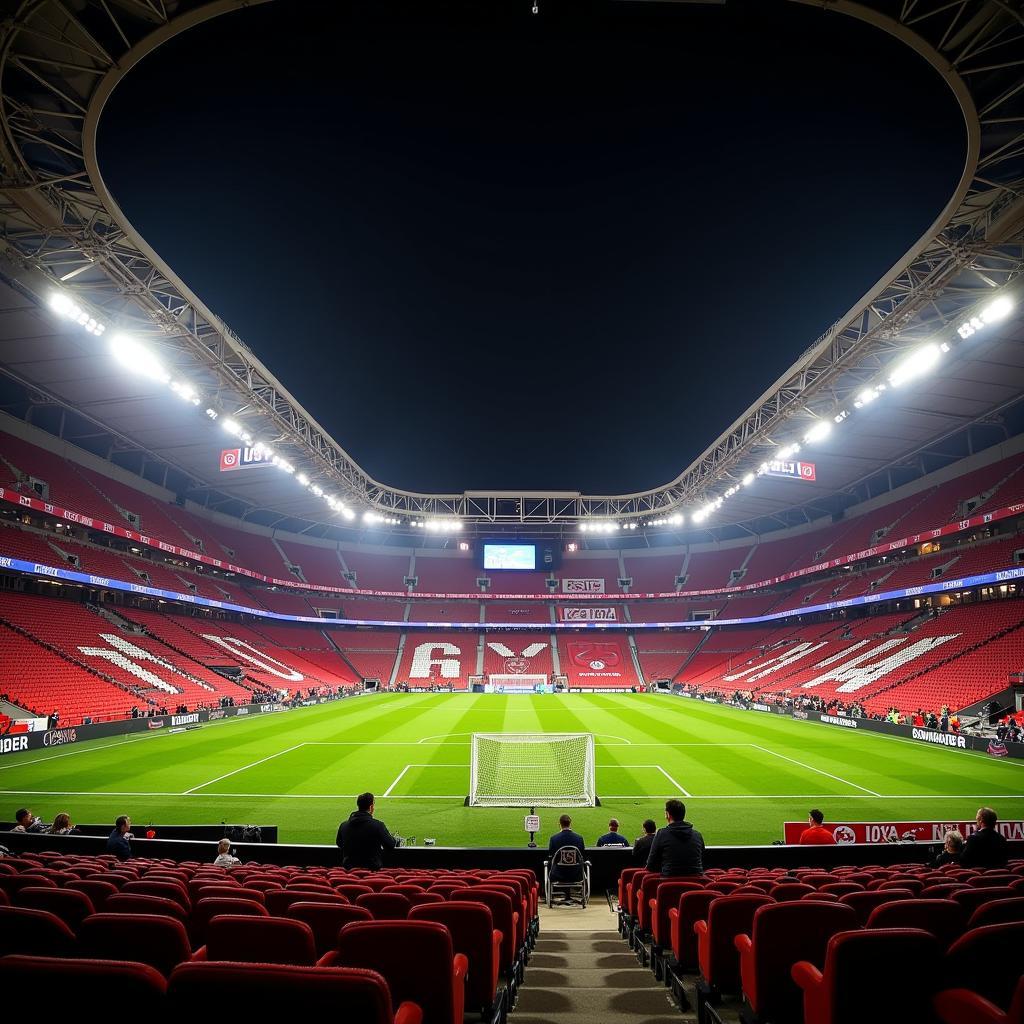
{"points": [[532, 770]]}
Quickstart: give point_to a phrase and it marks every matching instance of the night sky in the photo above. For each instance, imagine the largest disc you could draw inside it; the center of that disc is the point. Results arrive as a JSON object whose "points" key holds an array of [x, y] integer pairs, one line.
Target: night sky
{"points": [[487, 249]]}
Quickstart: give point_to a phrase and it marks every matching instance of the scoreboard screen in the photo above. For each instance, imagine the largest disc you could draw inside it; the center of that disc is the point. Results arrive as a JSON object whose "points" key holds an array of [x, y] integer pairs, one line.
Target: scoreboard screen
{"points": [[510, 556], [496, 555]]}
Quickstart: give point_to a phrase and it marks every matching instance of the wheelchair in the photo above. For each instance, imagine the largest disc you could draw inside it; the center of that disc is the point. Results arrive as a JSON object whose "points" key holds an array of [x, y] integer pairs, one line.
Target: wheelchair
{"points": [[574, 882]]}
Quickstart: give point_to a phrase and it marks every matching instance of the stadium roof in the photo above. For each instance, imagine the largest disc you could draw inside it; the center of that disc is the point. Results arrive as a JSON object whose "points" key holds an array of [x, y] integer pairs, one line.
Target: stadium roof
{"points": [[63, 232]]}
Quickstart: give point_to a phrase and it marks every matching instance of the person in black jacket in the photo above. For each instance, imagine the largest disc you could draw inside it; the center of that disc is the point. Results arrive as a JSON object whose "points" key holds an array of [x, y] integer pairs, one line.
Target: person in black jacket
{"points": [[678, 849], [362, 839], [642, 847], [985, 848], [119, 842]]}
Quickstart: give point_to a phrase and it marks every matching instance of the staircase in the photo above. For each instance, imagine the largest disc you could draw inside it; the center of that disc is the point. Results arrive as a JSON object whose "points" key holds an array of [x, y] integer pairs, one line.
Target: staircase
{"points": [[588, 975]]}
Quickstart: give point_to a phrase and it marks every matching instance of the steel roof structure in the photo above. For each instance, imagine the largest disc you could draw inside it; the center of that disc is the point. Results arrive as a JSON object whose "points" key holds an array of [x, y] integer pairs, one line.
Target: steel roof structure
{"points": [[61, 229]]}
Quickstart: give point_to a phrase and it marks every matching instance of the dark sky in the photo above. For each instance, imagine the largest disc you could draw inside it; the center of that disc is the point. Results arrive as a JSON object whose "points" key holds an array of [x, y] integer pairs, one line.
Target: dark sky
{"points": [[487, 249]]}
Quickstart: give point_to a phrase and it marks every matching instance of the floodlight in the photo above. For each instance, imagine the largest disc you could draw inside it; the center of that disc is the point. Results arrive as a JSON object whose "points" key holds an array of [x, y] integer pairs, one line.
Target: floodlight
{"points": [[317, 490], [997, 310], [677, 519], [921, 361], [138, 358], [303, 479], [749, 479], [232, 427], [347, 512], [61, 304], [699, 516], [818, 432], [185, 392]]}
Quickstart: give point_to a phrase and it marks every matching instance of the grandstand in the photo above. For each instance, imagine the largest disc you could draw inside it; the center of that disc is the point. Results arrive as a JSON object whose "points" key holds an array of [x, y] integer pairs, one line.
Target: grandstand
{"points": [[186, 556]]}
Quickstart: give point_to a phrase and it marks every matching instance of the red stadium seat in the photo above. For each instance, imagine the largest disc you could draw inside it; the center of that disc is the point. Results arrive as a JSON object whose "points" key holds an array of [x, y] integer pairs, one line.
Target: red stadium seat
{"points": [[782, 934], [692, 907], [71, 906], [471, 927], [960, 1006], [89, 982], [326, 920], [96, 890], [207, 909], [998, 912], [838, 993], [256, 940], [279, 900], [987, 960], [385, 906], [34, 932], [161, 942], [865, 902], [222, 988], [945, 919], [790, 891], [139, 903], [505, 920], [971, 899], [416, 958], [728, 916]]}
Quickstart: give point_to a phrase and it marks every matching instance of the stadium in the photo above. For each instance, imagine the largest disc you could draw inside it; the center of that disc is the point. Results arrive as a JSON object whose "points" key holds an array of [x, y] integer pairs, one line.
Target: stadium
{"points": [[216, 622]]}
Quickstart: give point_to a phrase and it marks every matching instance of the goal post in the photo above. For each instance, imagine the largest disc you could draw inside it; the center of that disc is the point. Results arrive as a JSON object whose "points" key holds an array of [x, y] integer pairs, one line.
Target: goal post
{"points": [[532, 770]]}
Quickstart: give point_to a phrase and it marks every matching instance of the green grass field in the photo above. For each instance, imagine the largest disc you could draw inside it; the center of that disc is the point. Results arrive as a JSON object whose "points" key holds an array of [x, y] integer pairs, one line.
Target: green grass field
{"points": [[741, 774]]}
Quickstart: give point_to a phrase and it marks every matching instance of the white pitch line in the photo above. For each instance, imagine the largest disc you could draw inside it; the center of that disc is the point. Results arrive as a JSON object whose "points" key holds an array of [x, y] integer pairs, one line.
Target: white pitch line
{"points": [[820, 771], [670, 779], [244, 767], [387, 792], [79, 750]]}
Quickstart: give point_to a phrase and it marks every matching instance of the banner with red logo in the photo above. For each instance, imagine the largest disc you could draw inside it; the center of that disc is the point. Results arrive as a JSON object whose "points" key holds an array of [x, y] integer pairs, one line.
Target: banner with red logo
{"points": [[874, 832], [792, 470], [605, 660], [587, 613], [242, 458]]}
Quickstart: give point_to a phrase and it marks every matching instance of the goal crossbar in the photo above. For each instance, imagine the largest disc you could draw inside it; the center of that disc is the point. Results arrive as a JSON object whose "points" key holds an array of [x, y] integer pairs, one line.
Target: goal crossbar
{"points": [[532, 770]]}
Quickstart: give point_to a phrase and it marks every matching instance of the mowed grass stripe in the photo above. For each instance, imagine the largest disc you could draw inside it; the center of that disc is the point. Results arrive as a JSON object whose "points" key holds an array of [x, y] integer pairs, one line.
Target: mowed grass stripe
{"points": [[741, 794]]}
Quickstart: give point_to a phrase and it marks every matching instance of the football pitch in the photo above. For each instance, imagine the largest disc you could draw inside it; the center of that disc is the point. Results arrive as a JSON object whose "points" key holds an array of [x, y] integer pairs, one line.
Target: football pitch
{"points": [[741, 774]]}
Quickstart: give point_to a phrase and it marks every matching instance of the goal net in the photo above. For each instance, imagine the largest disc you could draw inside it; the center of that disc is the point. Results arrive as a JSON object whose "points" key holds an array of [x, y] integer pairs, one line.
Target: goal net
{"points": [[532, 769]]}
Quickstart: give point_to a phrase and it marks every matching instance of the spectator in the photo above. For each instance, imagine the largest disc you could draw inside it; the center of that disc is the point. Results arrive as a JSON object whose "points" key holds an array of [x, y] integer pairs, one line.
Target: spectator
{"points": [[612, 837], [62, 825], [565, 837], [642, 847], [952, 849], [224, 858], [985, 848], [816, 834], [25, 821], [361, 839], [678, 849], [119, 842]]}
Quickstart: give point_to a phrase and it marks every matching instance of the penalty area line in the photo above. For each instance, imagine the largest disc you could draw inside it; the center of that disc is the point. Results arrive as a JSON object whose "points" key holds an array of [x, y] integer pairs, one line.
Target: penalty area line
{"points": [[244, 767], [820, 771]]}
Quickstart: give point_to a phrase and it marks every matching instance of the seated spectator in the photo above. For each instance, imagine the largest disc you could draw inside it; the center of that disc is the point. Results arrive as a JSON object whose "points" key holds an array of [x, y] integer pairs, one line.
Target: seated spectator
{"points": [[119, 842], [816, 834], [985, 848], [612, 837], [27, 822], [62, 825], [642, 847], [224, 858], [951, 849], [678, 849], [566, 837]]}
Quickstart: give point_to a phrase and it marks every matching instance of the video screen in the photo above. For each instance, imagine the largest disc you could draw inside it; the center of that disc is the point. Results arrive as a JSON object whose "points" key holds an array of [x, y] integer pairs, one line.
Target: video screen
{"points": [[510, 556]]}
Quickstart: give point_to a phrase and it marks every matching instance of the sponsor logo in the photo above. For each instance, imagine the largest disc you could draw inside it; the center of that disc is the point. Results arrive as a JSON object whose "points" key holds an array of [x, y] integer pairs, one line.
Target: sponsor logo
{"points": [[1010, 574], [185, 719], [846, 723], [45, 570], [793, 470], [582, 586], [942, 739], [99, 581], [760, 707], [155, 723], [997, 749], [241, 711], [214, 716], [266, 708], [7, 563], [588, 615], [59, 737], [242, 458], [12, 744], [801, 714], [844, 834]]}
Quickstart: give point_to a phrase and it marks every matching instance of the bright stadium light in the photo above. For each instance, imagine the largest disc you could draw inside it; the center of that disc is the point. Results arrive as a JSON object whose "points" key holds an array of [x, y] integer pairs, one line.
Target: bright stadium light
{"points": [[70, 310], [676, 519], [130, 353], [921, 361], [232, 427], [788, 452], [303, 479], [185, 392], [749, 479], [818, 432], [998, 309], [699, 516]]}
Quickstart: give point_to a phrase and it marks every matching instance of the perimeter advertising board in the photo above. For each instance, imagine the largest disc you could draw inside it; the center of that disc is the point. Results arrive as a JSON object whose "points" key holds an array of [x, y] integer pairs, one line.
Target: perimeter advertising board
{"points": [[874, 832]]}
